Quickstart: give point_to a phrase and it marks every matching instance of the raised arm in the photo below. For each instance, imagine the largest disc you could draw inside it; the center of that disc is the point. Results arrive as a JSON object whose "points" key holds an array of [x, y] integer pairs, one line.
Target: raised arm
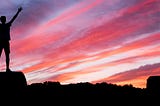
{"points": [[15, 16]]}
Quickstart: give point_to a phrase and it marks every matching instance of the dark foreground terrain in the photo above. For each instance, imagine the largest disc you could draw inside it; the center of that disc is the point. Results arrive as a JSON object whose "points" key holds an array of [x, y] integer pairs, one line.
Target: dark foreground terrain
{"points": [[15, 92]]}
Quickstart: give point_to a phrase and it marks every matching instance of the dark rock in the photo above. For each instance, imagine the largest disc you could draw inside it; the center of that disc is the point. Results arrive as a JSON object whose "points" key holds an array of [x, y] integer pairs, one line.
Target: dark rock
{"points": [[153, 85], [12, 80]]}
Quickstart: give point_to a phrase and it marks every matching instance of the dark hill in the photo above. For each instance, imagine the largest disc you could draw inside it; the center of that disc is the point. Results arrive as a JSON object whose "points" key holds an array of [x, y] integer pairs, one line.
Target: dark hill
{"points": [[14, 87]]}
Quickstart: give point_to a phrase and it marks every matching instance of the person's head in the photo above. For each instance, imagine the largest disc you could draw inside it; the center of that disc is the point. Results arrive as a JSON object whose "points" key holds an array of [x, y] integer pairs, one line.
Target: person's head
{"points": [[3, 19]]}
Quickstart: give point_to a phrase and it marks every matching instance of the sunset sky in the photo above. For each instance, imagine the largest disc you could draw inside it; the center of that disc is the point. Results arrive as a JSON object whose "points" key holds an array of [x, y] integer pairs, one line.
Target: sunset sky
{"points": [[72, 41]]}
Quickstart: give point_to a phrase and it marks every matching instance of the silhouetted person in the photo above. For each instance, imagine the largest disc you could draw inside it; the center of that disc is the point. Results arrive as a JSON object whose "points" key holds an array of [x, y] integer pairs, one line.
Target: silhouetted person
{"points": [[5, 37]]}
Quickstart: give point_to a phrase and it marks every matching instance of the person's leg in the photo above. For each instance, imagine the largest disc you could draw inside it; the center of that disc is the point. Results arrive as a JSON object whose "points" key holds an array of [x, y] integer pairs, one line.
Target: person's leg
{"points": [[7, 53], [1, 48], [1, 51], [7, 61]]}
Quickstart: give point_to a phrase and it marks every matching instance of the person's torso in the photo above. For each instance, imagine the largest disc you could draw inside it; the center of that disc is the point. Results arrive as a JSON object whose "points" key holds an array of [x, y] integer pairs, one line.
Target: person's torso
{"points": [[5, 31]]}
